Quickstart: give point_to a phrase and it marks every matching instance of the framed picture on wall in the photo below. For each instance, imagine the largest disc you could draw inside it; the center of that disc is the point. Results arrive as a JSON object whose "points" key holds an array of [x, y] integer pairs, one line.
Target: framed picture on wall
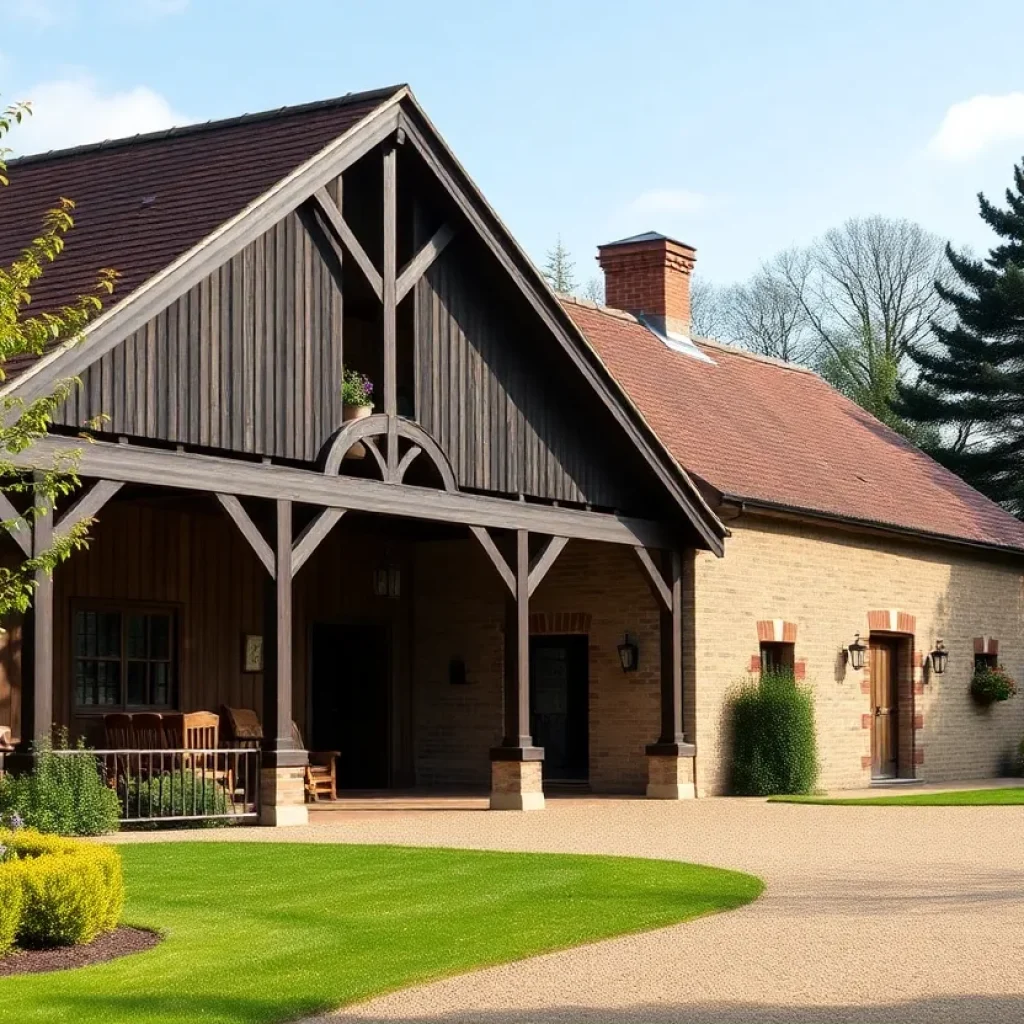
{"points": [[252, 652]]}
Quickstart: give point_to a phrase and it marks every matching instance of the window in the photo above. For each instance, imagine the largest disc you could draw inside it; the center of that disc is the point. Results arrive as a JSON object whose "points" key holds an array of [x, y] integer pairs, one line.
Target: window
{"points": [[777, 657], [125, 658], [985, 661]]}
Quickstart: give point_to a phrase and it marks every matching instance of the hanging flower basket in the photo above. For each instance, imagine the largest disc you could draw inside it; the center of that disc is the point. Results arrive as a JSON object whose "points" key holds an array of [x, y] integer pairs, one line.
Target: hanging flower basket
{"points": [[990, 685]]}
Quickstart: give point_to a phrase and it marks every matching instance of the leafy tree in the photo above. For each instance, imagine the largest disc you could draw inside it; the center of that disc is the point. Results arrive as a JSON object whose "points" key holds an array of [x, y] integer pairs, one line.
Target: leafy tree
{"points": [[970, 390], [22, 423], [559, 269]]}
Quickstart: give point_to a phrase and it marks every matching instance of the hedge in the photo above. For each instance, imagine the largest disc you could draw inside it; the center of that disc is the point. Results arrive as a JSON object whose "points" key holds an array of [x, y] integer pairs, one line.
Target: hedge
{"points": [[66, 892], [774, 743]]}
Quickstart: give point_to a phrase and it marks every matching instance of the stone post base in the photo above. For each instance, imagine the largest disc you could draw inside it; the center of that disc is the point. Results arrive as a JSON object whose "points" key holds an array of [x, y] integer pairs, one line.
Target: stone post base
{"points": [[283, 796], [516, 786], [670, 777]]}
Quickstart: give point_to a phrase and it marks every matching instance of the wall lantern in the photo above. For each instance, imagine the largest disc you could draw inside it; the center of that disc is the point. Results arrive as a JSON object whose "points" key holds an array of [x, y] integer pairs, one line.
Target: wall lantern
{"points": [[939, 657], [387, 582], [856, 652], [629, 654]]}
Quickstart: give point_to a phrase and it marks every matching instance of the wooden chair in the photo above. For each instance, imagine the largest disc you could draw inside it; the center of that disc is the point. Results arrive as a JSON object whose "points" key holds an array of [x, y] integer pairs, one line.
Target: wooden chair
{"points": [[321, 772], [148, 730], [118, 732], [195, 730]]}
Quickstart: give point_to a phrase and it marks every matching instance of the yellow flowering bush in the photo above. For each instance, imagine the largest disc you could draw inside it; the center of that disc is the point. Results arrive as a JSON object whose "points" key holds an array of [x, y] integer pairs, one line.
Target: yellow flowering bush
{"points": [[56, 891]]}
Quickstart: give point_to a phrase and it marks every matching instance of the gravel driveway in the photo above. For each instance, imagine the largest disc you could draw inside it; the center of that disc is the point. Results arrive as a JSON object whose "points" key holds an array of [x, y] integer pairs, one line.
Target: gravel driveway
{"points": [[871, 914]]}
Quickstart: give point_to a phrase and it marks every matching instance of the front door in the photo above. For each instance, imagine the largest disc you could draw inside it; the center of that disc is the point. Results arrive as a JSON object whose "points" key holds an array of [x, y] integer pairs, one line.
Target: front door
{"points": [[558, 705], [350, 711], [884, 706]]}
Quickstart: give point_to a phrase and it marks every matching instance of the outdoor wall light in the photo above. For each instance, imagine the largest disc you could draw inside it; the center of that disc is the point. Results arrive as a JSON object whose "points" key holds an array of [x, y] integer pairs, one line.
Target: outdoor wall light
{"points": [[939, 657], [629, 654], [855, 652]]}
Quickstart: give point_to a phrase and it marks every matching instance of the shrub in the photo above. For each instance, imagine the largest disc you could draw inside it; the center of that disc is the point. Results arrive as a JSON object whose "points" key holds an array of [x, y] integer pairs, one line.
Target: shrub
{"points": [[69, 891], [175, 794], [11, 899], [774, 744], [64, 793], [991, 684]]}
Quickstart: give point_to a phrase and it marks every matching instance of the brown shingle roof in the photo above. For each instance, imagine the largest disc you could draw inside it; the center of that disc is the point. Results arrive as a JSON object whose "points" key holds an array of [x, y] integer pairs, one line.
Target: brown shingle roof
{"points": [[142, 202], [767, 432]]}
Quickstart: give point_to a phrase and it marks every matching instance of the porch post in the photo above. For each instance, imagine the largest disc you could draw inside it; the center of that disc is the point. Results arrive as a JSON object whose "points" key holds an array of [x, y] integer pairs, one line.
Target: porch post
{"points": [[670, 760], [282, 778], [41, 707], [516, 782]]}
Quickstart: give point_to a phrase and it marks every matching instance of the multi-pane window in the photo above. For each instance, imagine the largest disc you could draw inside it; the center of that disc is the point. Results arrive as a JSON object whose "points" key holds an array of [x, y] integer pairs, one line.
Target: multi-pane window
{"points": [[124, 658], [777, 657], [983, 661]]}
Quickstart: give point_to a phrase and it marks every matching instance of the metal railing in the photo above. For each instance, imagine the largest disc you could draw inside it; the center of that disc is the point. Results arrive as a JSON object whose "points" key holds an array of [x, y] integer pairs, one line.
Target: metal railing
{"points": [[181, 785]]}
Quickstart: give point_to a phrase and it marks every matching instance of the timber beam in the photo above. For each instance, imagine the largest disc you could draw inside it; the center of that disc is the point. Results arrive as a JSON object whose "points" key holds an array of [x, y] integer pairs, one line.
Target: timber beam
{"points": [[159, 467]]}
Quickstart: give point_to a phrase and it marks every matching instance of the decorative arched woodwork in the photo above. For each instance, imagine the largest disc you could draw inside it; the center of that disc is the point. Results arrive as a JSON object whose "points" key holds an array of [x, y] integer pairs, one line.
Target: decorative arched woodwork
{"points": [[393, 468]]}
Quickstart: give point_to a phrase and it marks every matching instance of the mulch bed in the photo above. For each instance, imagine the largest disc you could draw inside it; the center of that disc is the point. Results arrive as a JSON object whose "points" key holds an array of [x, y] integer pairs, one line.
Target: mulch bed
{"points": [[118, 943]]}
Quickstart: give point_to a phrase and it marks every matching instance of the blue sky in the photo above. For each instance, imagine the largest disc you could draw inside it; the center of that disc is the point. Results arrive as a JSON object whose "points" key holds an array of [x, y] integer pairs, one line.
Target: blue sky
{"points": [[741, 127]]}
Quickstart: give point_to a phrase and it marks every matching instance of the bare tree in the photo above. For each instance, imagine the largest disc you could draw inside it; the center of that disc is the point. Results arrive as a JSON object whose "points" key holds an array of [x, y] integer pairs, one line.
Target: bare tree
{"points": [[766, 316], [707, 309], [593, 291], [867, 291]]}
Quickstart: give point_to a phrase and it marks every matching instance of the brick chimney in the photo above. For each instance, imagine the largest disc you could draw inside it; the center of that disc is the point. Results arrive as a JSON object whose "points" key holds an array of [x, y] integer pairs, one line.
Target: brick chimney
{"points": [[649, 275]]}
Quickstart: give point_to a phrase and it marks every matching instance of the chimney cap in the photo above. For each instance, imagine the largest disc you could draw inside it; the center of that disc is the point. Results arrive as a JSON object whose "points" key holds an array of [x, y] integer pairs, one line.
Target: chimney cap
{"points": [[645, 236]]}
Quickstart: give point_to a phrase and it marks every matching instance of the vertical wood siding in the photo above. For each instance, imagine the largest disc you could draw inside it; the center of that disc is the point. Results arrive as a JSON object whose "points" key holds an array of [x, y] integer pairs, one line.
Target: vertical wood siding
{"points": [[248, 360], [511, 419]]}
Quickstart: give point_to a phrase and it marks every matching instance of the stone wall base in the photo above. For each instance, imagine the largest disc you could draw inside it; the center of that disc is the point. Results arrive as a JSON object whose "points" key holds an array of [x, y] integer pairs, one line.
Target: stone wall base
{"points": [[516, 786], [669, 777], [283, 797]]}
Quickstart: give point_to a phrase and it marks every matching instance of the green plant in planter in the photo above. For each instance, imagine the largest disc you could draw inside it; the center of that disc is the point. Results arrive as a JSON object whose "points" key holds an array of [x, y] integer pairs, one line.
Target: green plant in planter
{"points": [[356, 388], [774, 743], [991, 684]]}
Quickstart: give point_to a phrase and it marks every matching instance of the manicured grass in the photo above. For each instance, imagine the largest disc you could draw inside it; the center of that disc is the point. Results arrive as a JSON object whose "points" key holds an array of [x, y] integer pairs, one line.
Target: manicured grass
{"points": [[272, 931], [954, 798]]}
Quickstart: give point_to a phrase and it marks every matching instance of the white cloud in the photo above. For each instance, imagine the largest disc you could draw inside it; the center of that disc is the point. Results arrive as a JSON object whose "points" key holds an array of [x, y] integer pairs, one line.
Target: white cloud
{"points": [[977, 124], [73, 111], [667, 201]]}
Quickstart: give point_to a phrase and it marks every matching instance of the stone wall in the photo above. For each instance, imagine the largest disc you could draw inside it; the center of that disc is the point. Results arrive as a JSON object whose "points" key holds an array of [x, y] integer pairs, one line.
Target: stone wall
{"points": [[831, 585]]}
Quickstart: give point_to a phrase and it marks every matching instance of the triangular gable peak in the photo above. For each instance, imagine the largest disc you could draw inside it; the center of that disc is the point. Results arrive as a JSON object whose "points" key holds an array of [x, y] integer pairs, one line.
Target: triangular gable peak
{"points": [[377, 254]]}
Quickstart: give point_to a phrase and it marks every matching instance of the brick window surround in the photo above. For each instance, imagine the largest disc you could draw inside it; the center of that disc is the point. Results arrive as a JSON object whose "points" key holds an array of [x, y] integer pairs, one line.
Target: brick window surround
{"points": [[774, 636]]}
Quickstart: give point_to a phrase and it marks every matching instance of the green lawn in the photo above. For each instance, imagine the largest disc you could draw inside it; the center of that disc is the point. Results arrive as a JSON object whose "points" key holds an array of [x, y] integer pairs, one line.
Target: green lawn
{"points": [[271, 931], [954, 798]]}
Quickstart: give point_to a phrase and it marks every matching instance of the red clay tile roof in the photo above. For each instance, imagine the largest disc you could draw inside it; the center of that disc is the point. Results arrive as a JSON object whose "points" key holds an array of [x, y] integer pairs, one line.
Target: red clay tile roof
{"points": [[142, 202], [767, 432]]}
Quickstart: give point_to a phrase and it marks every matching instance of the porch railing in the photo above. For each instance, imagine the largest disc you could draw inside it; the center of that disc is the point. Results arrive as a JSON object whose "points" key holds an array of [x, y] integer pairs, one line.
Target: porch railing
{"points": [[181, 785]]}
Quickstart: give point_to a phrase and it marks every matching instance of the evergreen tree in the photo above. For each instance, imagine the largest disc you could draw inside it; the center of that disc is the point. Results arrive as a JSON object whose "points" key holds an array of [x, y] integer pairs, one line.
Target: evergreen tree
{"points": [[970, 391], [559, 269]]}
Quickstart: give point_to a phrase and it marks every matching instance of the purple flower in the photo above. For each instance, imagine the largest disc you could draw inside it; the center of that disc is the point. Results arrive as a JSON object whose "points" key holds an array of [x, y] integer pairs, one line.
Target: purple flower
{"points": [[17, 821]]}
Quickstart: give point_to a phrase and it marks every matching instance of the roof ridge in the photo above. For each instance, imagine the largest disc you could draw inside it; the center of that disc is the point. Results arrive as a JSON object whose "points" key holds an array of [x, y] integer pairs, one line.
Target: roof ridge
{"points": [[619, 314], [176, 131], [745, 353]]}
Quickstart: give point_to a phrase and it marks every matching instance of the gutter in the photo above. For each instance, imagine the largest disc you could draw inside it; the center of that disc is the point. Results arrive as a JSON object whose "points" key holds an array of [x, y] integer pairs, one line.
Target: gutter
{"points": [[742, 505]]}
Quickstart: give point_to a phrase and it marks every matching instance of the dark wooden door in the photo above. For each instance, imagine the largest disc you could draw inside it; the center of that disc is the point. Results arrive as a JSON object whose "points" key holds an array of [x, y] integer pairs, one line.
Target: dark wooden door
{"points": [[559, 705], [350, 702], [884, 707]]}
